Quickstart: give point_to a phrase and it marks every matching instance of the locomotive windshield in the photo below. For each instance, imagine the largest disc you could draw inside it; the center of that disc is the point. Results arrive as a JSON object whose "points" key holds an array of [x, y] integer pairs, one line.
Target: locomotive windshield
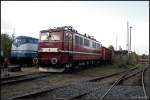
{"points": [[18, 41], [44, 36], [22, 40], [50, 36]]}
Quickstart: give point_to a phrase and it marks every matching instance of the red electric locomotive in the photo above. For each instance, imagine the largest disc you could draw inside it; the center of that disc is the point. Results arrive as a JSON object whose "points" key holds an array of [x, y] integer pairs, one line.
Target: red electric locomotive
{"points": [[63, 47]]}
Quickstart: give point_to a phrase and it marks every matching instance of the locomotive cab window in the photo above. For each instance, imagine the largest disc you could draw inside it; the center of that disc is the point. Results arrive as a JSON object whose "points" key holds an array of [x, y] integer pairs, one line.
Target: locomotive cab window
{"points": [[44, 36], [52, 36], [19, 41], [16, 42]]}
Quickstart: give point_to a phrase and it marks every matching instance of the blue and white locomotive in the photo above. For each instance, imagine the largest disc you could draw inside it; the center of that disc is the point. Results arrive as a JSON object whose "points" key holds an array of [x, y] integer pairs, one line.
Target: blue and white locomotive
{"points": [[23, 50]]}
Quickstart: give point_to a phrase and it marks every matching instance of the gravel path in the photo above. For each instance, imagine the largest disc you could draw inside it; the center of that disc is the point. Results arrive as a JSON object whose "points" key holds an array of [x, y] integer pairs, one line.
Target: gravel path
{"points": [[69, 91]]}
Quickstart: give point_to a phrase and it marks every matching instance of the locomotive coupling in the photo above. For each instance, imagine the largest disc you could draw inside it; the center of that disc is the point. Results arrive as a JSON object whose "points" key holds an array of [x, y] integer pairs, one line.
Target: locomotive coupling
{"points": [[35, 61]]}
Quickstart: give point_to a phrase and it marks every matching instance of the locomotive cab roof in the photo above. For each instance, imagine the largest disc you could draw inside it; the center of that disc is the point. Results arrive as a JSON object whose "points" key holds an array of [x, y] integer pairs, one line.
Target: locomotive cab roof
{"points": [[68, 28], [25, 37]]}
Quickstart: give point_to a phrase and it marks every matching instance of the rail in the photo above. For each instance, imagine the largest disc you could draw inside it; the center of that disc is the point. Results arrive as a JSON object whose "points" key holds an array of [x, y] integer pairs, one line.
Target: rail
{"points": [[23, 78], [103, 96], [143, 84], [33, 93]]}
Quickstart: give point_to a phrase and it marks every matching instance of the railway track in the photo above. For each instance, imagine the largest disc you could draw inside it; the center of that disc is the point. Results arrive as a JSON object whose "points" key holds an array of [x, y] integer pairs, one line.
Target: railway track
{"points": [[22, 78], [50, 89], [143, 83], [12, 77], [122, 78], [109, 89], [116, 86]]}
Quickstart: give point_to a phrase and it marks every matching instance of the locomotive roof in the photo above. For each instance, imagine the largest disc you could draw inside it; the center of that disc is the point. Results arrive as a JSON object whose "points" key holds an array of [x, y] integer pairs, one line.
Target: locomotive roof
{"points": [[69, 28], [26, 37]]}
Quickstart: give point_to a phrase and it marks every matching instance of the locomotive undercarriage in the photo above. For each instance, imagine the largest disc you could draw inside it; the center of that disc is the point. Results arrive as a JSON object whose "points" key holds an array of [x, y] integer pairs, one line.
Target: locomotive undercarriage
{"points": [[21, 60], [46, 66]]}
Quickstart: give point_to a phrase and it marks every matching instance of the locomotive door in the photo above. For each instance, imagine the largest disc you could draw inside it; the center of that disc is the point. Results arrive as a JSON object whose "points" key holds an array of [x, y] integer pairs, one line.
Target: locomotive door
{"points": [[69, 44]]}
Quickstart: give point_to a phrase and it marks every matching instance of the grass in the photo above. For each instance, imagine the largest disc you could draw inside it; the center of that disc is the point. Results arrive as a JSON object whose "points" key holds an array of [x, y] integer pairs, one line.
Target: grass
{"points": [[100, 70]]}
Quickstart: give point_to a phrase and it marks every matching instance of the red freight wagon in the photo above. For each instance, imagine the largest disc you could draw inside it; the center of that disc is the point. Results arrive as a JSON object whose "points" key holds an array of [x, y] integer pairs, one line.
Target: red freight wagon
{"points": [[106, 54], [63, 47]]}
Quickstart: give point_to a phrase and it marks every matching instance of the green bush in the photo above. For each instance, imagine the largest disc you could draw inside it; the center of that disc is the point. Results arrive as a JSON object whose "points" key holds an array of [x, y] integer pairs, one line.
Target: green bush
{"points": [[133, 58]]}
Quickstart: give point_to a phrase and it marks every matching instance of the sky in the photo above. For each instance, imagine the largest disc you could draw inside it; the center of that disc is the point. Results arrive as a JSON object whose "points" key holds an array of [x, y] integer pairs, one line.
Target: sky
{"points": [[105, 20]]}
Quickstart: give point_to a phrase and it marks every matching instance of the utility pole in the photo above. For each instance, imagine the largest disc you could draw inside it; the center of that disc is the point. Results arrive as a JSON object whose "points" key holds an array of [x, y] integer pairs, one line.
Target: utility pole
{"points": [[130, 46], [130, 38], [128, 56]]}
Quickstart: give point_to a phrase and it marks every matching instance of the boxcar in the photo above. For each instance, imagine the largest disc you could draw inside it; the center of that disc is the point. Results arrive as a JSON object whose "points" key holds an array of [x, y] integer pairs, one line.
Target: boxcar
{"points": [[106, 55]]}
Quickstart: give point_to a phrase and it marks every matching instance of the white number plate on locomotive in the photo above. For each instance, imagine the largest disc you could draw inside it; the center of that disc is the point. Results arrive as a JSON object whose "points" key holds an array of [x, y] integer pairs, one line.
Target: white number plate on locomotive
{"points": [[49, 49]]}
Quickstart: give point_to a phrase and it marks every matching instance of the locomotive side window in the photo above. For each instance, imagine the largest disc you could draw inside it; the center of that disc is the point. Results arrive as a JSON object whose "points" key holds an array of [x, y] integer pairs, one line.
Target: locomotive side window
{"points": [[28, 40], [81, 41], [86, 42], [98, 45], [93, 44], [77, 40], [35, 41], [68, 37]]}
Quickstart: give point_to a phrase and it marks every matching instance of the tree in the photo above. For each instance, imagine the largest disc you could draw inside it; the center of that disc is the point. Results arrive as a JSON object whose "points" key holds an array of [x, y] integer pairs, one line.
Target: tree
{"points": [[143, 56], [6, 42], [111, 47]]}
